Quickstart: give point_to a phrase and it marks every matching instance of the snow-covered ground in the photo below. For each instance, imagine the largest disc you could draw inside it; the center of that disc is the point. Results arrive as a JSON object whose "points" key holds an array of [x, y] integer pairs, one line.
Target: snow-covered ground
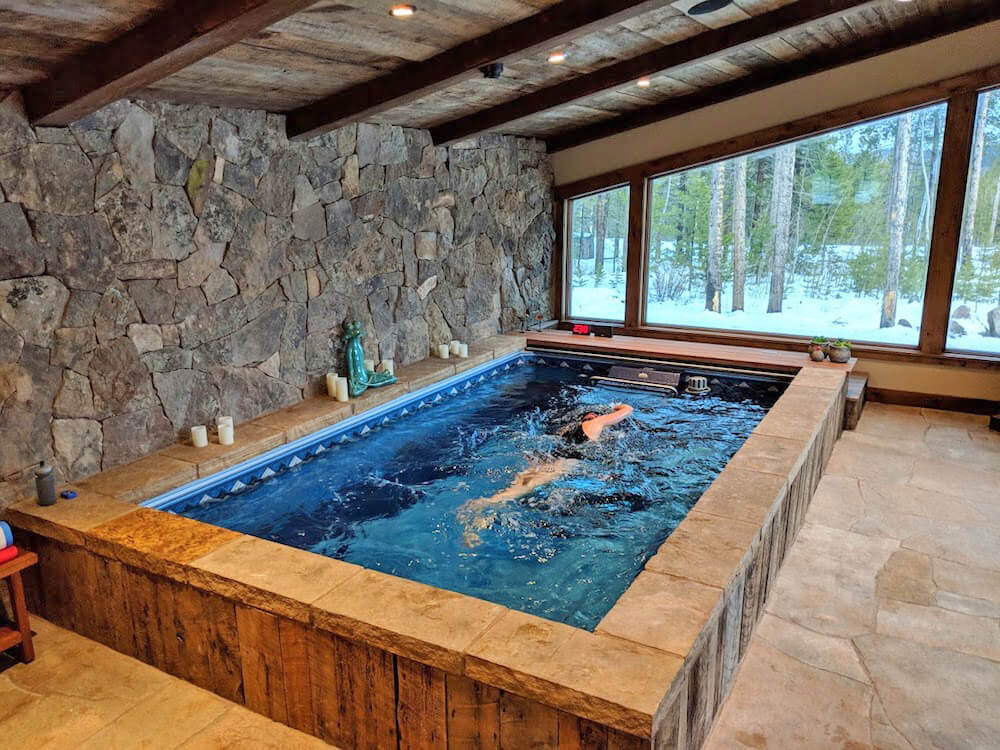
{"points": [[852, 318]]}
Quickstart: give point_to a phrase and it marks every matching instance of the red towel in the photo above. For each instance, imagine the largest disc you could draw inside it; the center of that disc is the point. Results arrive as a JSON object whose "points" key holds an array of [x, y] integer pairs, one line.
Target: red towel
{"points": [[8, 554]]}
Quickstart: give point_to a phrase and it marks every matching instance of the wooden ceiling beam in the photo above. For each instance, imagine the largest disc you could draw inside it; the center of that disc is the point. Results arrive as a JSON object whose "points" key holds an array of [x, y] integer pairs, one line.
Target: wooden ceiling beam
{"points": [[180, 34], [541, 32], [923, 30], [709, 43]]}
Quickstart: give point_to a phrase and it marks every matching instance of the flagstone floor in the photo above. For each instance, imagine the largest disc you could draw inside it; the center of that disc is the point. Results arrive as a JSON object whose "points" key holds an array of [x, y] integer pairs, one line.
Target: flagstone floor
{"points": [[79, 694], [883, 630]]}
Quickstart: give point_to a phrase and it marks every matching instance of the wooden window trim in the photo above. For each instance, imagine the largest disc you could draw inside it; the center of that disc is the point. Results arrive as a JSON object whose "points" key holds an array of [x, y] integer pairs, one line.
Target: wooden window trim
{"points": [[960, 92]]}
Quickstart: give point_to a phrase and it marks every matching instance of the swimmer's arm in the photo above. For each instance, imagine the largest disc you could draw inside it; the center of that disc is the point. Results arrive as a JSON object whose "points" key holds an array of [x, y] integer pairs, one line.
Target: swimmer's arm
{"points": [[593, 427], [524, 484]]}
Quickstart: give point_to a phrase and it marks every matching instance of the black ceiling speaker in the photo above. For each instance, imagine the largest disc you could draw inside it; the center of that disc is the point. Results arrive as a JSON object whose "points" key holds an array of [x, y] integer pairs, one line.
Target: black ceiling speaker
{"points": [[708, 6], [493, 70]]}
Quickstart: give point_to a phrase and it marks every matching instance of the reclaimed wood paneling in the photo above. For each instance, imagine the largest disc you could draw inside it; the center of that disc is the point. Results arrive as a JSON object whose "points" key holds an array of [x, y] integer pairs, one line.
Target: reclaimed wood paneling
{"points": [[261, 660], [527, 725], [353, 692], [421, 706], [473, 714], [297, 676]]}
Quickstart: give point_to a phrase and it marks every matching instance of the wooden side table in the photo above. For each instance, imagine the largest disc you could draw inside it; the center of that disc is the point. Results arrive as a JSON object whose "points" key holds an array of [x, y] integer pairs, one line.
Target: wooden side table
{"points": [[20, 633]]}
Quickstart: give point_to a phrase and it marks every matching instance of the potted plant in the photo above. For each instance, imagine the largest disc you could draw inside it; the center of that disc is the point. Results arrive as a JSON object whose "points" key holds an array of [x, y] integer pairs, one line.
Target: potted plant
{"points": [[818, 348], [840, 351]]}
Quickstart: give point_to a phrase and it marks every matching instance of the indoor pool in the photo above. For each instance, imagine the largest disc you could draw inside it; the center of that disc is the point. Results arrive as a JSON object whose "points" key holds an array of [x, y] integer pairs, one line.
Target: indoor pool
{"points": [[414, 493]]}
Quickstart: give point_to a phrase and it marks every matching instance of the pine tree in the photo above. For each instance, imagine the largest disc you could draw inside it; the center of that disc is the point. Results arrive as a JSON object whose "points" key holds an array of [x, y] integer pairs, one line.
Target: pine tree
{"points": [[781, 210], [897, 219], [739, 231], [713, 279]]}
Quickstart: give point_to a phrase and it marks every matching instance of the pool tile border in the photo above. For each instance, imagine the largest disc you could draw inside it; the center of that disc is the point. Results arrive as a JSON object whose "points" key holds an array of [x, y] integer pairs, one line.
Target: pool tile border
{"points": [[664, 686]]}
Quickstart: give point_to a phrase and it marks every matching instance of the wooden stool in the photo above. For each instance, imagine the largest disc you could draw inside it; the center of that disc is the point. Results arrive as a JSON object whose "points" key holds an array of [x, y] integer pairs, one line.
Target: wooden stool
{"points": [[21, 632]]}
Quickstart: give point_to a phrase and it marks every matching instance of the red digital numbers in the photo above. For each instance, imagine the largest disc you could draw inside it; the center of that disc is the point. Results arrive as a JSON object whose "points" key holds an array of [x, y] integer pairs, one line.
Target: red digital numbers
{"points": [[581, 329]]}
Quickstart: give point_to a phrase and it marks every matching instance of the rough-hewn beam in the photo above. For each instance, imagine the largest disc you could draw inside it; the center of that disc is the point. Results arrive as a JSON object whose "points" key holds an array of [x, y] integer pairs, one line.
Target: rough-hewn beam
{"points": [[706, 44], [180, 34], [920, 31], [557, 25]]}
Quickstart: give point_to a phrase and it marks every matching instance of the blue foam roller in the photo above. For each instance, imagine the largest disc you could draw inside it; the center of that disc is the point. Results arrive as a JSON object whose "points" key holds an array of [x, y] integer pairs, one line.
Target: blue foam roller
{"points": [[6, 535]]}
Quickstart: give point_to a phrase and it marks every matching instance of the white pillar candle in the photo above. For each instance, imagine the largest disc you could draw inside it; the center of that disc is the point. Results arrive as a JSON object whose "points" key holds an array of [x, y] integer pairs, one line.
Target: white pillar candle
{"points": [[226, 434], [387, 365], [370, 365], [463, 351], [341, 389], [219, 421], [456, 346], [331, 384], [443, 351], [199, 436]]}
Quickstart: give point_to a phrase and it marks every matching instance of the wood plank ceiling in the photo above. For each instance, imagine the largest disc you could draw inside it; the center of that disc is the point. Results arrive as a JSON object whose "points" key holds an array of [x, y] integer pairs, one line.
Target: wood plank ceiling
{"points": [[333, 45]]}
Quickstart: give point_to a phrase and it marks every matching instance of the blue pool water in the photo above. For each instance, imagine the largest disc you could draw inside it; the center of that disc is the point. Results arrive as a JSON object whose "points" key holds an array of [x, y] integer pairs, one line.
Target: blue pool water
{"points": [[392, 499]]}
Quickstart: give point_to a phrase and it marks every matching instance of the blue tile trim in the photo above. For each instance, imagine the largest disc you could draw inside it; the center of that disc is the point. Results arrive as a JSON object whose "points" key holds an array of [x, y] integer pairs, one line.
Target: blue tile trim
{"points": [[291, 454]]}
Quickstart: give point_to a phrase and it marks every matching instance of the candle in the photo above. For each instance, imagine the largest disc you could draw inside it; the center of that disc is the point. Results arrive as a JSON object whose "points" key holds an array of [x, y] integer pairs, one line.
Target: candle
{"points": [[331, 384], [341, 389], [455, 347], [463, 351], [199, 436], [370, 365], [387, 365], [219, 421], [226, 433], [443, 351]]}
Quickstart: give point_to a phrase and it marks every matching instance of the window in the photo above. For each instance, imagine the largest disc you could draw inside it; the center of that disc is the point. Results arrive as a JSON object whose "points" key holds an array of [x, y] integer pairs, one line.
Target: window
{"points": [[598, 245], [975, 306], [825, 236]]}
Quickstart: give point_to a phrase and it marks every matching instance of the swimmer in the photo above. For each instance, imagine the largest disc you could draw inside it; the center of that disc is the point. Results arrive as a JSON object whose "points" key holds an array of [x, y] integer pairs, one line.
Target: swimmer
{"points": [[475, 514]]}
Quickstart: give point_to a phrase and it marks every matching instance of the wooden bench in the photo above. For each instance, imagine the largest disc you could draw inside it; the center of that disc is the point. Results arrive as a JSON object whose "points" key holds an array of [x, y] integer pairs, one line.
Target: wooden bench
{"points": [[20, 633]]}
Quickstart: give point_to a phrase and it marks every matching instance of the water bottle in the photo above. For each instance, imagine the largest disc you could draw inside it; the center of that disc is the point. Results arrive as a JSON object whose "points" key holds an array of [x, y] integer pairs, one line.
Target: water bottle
{"points": [[45, 484]]}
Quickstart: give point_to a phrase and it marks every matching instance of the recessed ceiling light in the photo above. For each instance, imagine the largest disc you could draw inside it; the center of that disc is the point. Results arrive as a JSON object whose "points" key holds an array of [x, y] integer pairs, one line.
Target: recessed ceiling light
{"points": [[403, 11], [557, 57], [645, 82]]}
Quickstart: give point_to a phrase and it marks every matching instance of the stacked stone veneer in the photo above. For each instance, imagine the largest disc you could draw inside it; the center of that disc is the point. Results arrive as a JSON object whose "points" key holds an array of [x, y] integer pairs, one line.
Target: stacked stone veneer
{"points": [[160, 264]]}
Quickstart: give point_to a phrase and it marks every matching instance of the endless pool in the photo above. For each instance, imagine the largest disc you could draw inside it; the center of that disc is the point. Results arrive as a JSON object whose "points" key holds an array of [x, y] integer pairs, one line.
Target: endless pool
{"points": [[386, 490]]}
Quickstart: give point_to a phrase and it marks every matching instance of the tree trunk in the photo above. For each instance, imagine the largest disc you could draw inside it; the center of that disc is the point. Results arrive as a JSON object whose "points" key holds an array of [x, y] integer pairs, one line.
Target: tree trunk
{"points": [[600, 234], [739, 231], [897, 219], [975, 175], [994, 215], [713, 279], [781, 207]]}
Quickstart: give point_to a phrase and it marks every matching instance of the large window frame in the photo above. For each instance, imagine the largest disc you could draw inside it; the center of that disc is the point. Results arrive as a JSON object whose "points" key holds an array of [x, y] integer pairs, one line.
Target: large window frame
{"points": [[961, 96]]}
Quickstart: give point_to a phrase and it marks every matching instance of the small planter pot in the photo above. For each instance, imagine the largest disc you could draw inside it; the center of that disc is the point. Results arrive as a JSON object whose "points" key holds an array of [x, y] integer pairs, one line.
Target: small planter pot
{"points": [[816, 353], [840, 354]]}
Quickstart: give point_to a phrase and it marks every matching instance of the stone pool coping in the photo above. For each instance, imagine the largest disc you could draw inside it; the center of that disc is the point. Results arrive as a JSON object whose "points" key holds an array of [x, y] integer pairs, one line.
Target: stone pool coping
{"points": [[633, 673]]}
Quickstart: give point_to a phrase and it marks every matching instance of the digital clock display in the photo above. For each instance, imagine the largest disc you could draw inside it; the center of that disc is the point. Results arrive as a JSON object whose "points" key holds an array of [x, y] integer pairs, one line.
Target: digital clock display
{"points": [[581, 329]]}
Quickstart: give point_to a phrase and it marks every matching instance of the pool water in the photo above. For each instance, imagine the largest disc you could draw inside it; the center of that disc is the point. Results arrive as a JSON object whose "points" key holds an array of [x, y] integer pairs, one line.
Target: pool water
{"points": [[395, 499]]}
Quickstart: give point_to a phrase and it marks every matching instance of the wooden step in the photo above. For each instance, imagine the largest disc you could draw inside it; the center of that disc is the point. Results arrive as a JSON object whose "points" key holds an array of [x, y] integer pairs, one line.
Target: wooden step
{"points": [[856, 386], [8, 637]]}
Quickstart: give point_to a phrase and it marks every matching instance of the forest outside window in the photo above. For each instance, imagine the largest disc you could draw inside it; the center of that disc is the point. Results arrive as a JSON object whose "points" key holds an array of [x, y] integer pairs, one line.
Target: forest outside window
{"points": [[974, 324], [598, 245], [825, 236]]}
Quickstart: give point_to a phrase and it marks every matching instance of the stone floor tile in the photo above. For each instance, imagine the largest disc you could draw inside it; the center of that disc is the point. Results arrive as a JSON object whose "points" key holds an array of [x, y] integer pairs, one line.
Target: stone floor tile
{"points": [[906, 577], [58, 722], [934, 697], [941, 628], [967, 544], [862, 457], [801, 707], [892, 423], [821, 651], [955, 478], [162, 721], [916, 501], [837, 502], [939, 416], [967, 581], [242, 730]]}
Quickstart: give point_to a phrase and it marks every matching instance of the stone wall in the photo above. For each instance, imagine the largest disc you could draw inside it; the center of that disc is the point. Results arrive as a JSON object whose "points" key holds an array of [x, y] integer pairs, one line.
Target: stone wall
{"points": [[160, 264]]}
